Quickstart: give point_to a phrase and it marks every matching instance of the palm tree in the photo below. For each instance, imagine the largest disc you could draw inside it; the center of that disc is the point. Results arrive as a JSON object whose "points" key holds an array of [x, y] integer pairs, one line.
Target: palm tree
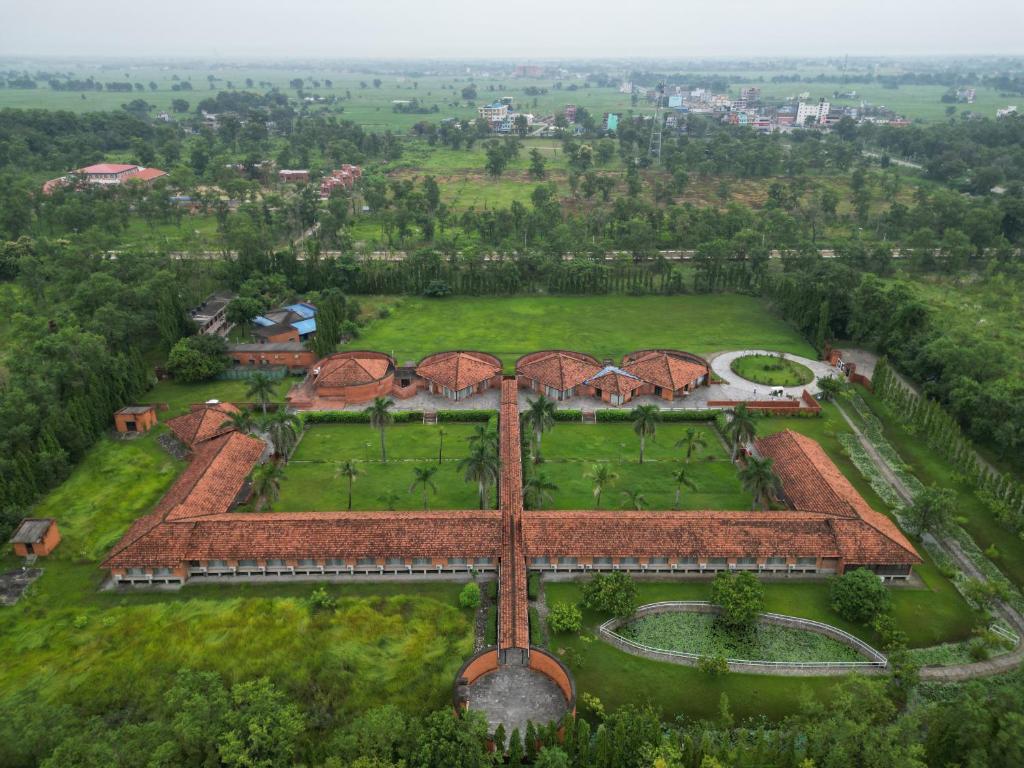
{"points": [[483, 438], [645, 424], [380, 417], [691, 441], [261, 389], [349, 469], [741, 428], [830, 386], [424, 477], [241, 420], [389, 500], [758, 478], [441, 433], [603, 478], [634, 499], [539, 417], [480, 467], [537, 491], [266, 484], [284, 429], [682, 477]]}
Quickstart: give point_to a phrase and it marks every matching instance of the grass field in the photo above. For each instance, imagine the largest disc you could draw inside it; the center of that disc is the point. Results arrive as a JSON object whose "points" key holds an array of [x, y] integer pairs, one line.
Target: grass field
{"points": [[603, 326], [180, 396], [772, 370], [570, 450], [68, 643], [311, 483]]}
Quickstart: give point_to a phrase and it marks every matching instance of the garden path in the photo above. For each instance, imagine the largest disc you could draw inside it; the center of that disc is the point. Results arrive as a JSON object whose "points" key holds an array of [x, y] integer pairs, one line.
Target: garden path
{"points": [[737, 388]]}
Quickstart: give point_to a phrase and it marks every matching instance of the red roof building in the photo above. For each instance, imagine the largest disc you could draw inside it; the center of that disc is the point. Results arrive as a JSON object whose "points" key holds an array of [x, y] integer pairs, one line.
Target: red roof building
{"points": [[668, 374], [203, 422], [557, 374], [614, 385], [457, 375]]}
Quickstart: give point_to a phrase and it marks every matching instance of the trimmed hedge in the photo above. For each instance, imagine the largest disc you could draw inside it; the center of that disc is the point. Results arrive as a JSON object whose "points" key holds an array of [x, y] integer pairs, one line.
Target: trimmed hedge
{"points": [[533, 586], [357, 417], [492, 589], [491, 630], [569, 414], [536, 630], [620, 414], [468, 415]]}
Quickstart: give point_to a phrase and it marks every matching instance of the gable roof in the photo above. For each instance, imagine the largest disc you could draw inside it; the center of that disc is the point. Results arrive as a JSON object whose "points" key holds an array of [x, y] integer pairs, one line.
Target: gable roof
{"points": [[812, 482], [148, 174], [203, 423], [663, 369], [560, 370], [107, 168], [347, 371], [457, 370], [31, 530]]}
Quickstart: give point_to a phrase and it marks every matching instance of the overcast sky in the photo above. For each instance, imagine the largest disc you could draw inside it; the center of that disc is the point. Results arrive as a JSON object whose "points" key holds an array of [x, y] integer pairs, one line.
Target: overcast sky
{"points": [[389, 29]]}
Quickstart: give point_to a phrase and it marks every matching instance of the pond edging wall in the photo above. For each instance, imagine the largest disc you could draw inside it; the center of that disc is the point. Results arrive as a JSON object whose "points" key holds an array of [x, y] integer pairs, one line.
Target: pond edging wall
{"points": [[876, 662]]}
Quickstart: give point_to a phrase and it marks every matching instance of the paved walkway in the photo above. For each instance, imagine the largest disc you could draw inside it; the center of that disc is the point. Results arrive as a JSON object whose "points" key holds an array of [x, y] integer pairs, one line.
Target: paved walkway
{"points": [[951, 547], [738, 388], [513, 695]]}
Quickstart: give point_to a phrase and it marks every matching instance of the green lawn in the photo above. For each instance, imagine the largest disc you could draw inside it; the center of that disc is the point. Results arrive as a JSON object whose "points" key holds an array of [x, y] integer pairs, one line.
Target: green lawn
{"points": [[771, 370], [312, 483], [931, 468], [619, 678], [180, 396], [570, 450], [68, 643], [603, 326]]}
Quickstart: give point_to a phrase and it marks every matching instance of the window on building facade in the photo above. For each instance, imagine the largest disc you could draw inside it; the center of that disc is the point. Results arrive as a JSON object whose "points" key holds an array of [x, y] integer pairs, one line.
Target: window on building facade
{"points": [[657, 561], [366, 561], [540, 561], [602, 561], [274, 563], [746, 561], [567, 561], [718, 561], [307, 562], [216, 563], [422, 561], [395, 561], [456, 561], [335, 561], [807, 561], [246, 563], [483, 561], [629, 561], [162, 571], [136, 571], [777, 561], [687, 561]]}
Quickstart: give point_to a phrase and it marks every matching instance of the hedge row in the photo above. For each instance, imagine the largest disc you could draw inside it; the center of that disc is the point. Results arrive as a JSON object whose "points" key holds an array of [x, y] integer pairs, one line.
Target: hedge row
{"points": [[468, 415], [569, 415], [533, 586], [612, 414], [357, 417], [536, 630], [491, 630]]}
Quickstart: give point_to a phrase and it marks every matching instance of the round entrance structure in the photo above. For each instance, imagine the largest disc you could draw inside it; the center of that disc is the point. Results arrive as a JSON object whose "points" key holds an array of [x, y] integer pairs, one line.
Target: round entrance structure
{"points": [[540, 690]]}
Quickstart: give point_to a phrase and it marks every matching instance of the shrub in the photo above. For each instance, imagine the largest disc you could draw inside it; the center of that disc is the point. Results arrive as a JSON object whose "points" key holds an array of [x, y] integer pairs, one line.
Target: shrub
{"points": [[859, 596], [357, 417], [491, 629], [469, 415], [620, 414], [713, 666], [437, 289], [469, 597], [569, 414], [492, 589], [741, 598], [320, 601], [197, 358], [536, 634], [565, 617], [613, 593], [533, 586]]}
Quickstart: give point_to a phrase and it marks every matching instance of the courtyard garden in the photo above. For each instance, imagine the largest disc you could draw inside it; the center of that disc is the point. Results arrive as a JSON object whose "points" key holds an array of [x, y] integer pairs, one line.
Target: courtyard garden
{"points": [[772, 370]]}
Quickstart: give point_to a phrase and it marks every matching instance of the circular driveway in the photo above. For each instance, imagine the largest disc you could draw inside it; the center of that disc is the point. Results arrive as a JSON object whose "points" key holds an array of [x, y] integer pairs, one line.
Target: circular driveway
{"points": [[721, 364]]}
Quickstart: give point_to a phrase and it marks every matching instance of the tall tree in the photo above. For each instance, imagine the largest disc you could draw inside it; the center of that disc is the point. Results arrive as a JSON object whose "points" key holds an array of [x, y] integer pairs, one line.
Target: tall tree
{"points": [[261, 388], [380, 417], [538, 491], [423, 478], [266, 484], [758, 478], [645, 424], [691, 440], [681, 476], [480, 467], [602, 477], [539, 417], [349, 470], [741, 428]]}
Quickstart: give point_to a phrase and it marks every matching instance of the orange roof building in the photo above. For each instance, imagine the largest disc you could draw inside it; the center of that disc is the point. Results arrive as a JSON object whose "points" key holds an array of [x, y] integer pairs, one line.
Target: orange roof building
{"points": [[669, 374], [459, 374], [558, 374], [203, 422], [357, 376]]}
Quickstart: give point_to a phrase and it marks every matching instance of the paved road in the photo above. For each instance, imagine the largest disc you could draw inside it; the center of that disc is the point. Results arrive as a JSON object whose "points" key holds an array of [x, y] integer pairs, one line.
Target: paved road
{"points": [[738, 388]]}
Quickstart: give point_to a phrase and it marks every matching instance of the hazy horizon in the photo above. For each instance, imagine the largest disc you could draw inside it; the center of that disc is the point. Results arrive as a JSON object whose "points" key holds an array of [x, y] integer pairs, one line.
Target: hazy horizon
{"points": [[454, 30]]}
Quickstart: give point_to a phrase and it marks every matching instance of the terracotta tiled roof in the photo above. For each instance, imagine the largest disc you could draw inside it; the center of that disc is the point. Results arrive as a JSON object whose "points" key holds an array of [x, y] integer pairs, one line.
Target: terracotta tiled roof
{"points": [[615, 381], [458, 370], [350, 371], [513, 608], [208, 486], [203, 423], [702, 534], [665, 370], [148, 174], [292, 535], [107, 168], [812, 482], [560, 370]]}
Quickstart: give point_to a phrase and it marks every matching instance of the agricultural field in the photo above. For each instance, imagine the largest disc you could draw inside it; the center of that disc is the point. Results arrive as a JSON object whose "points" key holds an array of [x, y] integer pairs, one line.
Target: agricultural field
{"points": [[602, 326], [313, 483]]}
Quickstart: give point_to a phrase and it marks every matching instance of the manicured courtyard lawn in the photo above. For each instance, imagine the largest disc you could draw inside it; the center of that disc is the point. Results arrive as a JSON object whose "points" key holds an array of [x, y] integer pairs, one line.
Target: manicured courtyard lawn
{"points": [[570, 451], [180, 396], [772, 370], [312, 483], [603, 326]]}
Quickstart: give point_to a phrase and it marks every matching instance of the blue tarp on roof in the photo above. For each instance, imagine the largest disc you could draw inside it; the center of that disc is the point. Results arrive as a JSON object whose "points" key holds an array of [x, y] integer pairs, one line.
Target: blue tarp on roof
{"points": [[305, 326], [302, 308], [261, 320]]}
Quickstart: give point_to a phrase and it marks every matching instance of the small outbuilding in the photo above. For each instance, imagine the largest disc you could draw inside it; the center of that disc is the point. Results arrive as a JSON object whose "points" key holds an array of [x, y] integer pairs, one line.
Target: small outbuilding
{"points": [[135, 418], [36, 536]]}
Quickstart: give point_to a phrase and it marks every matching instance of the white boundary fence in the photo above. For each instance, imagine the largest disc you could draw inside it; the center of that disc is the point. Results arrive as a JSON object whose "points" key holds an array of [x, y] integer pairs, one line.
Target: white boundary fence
{"points": [[875, 662]]}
